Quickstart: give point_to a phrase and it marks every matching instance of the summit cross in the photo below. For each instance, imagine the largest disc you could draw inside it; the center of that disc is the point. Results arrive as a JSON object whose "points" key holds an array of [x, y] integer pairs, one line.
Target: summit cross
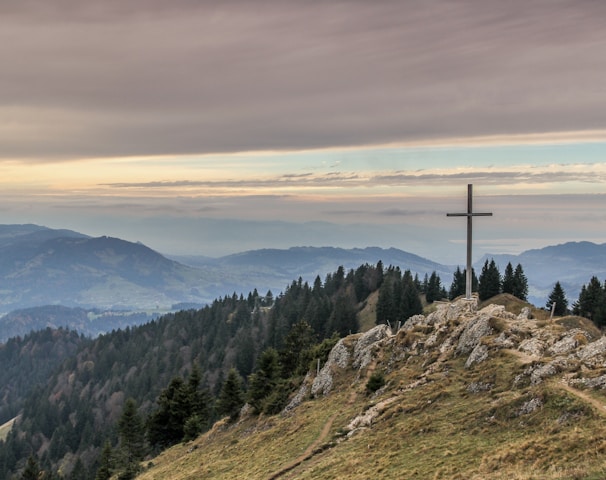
{"points": [[470, 214]]}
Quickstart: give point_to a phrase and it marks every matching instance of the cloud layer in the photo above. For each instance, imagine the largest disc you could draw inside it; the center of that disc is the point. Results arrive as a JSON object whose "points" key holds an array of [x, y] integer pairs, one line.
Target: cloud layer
{"points": [[149, 77]]}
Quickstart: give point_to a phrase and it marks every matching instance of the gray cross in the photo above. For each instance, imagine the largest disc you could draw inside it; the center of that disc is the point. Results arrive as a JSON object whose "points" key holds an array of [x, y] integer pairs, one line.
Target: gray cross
{"points": [[469, 216]]}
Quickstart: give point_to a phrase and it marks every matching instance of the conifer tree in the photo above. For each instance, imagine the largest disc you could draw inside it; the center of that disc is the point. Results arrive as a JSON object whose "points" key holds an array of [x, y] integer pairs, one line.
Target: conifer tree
{"points": [[557, 297], [520, 283], [104, 472], [508, 279], [489, 283], [32, 470], [591, 302], [131, 429], [231, 397], [457, 287], [264, 379], [434, 288]]}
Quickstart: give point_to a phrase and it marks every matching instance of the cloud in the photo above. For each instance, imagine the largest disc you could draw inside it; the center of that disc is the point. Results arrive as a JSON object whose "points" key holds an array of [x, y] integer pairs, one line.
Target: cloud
{"points": [[148, 77], [518, 176]]}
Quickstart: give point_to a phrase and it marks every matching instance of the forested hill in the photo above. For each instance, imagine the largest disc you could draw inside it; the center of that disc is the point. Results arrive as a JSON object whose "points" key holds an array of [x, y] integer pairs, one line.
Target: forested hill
{"points": [[66, 422], [27, 362]]}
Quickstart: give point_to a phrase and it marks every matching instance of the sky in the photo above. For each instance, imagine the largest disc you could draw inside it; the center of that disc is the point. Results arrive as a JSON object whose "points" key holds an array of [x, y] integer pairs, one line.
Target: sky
{"points": [[214, 127]]}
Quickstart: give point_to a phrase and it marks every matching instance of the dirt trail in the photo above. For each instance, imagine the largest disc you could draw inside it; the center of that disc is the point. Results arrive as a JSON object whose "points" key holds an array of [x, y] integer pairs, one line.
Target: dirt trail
{"points": [[310, 451], [583, 396]]}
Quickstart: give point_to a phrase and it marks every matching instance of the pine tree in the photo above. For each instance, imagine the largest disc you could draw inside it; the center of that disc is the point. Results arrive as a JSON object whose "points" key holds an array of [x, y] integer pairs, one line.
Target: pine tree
{"points": [[343, 319], [32, 471], [557, 297], [457, 287], [591, 302], [131, 429], [520, 283], [264, 379], [434, 288], [508, 280], [104, 472], [489, 283], [231, 397]]}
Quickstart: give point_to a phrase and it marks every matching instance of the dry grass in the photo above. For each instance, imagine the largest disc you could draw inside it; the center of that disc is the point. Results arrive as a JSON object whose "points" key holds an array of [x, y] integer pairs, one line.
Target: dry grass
{"points": [[6, 428], [438, 430], [368, 315]]}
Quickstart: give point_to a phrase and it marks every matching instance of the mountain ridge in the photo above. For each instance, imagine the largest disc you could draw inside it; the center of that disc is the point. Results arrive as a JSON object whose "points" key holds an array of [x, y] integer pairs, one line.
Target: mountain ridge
{"points": [[471, 391]]}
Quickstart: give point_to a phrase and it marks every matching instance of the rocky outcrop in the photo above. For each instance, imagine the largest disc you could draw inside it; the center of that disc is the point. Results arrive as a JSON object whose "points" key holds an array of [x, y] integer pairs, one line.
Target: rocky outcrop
{"points": [[337, 359], [367, 342], [474, 330]]}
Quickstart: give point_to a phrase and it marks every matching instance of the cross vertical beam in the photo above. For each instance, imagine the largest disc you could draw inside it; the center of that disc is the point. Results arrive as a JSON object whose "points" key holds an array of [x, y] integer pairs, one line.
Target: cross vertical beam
{"points": [[469, 214]]}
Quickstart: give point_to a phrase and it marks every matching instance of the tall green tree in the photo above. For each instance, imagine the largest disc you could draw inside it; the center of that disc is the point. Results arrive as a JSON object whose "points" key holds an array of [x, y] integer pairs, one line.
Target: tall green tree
{"points": [[520, 283], [294, 355], [434, 288], [343, 318], [106, 464], [32, 470], [264, 379], [132, 437], [231, 397], [457, 287], [508, 279], [591, 302], [557, 297], [489, 283]]}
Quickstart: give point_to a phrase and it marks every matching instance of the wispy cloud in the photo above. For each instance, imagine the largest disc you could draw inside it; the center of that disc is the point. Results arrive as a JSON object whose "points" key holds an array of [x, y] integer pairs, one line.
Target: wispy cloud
{"points": [[495, 176]]}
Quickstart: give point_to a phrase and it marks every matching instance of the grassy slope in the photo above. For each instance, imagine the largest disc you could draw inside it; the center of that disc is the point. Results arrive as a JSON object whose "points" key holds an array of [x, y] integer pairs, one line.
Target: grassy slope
{"points": [[437, 430]]}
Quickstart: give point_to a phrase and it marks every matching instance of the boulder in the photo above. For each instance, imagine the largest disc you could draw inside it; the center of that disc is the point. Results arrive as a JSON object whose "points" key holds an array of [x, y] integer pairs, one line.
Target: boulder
{"points": [[337, 358], [475, 329], [363, 349], [478, 355]]}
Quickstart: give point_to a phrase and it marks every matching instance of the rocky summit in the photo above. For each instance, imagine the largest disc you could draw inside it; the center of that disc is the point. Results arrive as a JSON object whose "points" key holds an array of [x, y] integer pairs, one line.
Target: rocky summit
{"points": [[466, 391]]}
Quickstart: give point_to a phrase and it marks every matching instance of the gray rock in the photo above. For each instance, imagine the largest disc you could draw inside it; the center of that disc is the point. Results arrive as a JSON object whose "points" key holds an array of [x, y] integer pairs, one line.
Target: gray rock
{"points": [[478, 355], [567, 344], [532, 346], [525, 314], [475, 329], [530, 406], [477, 387], [597, 382], [337, 358], [363, 349], [592, 354], [300, 396]]}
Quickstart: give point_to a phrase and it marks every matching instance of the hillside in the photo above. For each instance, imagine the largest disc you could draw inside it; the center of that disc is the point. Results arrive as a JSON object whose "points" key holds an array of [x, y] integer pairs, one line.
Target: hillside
{"points": [[472, 392], [41, 266]]}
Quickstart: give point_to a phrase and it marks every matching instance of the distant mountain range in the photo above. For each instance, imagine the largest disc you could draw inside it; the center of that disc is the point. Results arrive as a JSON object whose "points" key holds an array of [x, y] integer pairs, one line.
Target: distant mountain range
{"points": [[41, 266], [572, 264]]}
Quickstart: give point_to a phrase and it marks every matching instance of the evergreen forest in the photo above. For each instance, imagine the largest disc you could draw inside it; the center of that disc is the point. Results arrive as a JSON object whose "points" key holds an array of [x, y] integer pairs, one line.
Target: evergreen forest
{"points": [[92, 408]]}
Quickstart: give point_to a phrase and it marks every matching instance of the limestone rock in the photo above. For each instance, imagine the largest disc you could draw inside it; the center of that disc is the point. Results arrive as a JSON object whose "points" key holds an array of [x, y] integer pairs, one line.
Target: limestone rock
{"points": [[597, 382], [477, 387], [532, 346], [547, 370], [300, 396], [475, 329], [363, 349], [525, 314], [337, 358], [478, 355], [593, 353], [493, 310], [568, 343], [530, 406]]}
